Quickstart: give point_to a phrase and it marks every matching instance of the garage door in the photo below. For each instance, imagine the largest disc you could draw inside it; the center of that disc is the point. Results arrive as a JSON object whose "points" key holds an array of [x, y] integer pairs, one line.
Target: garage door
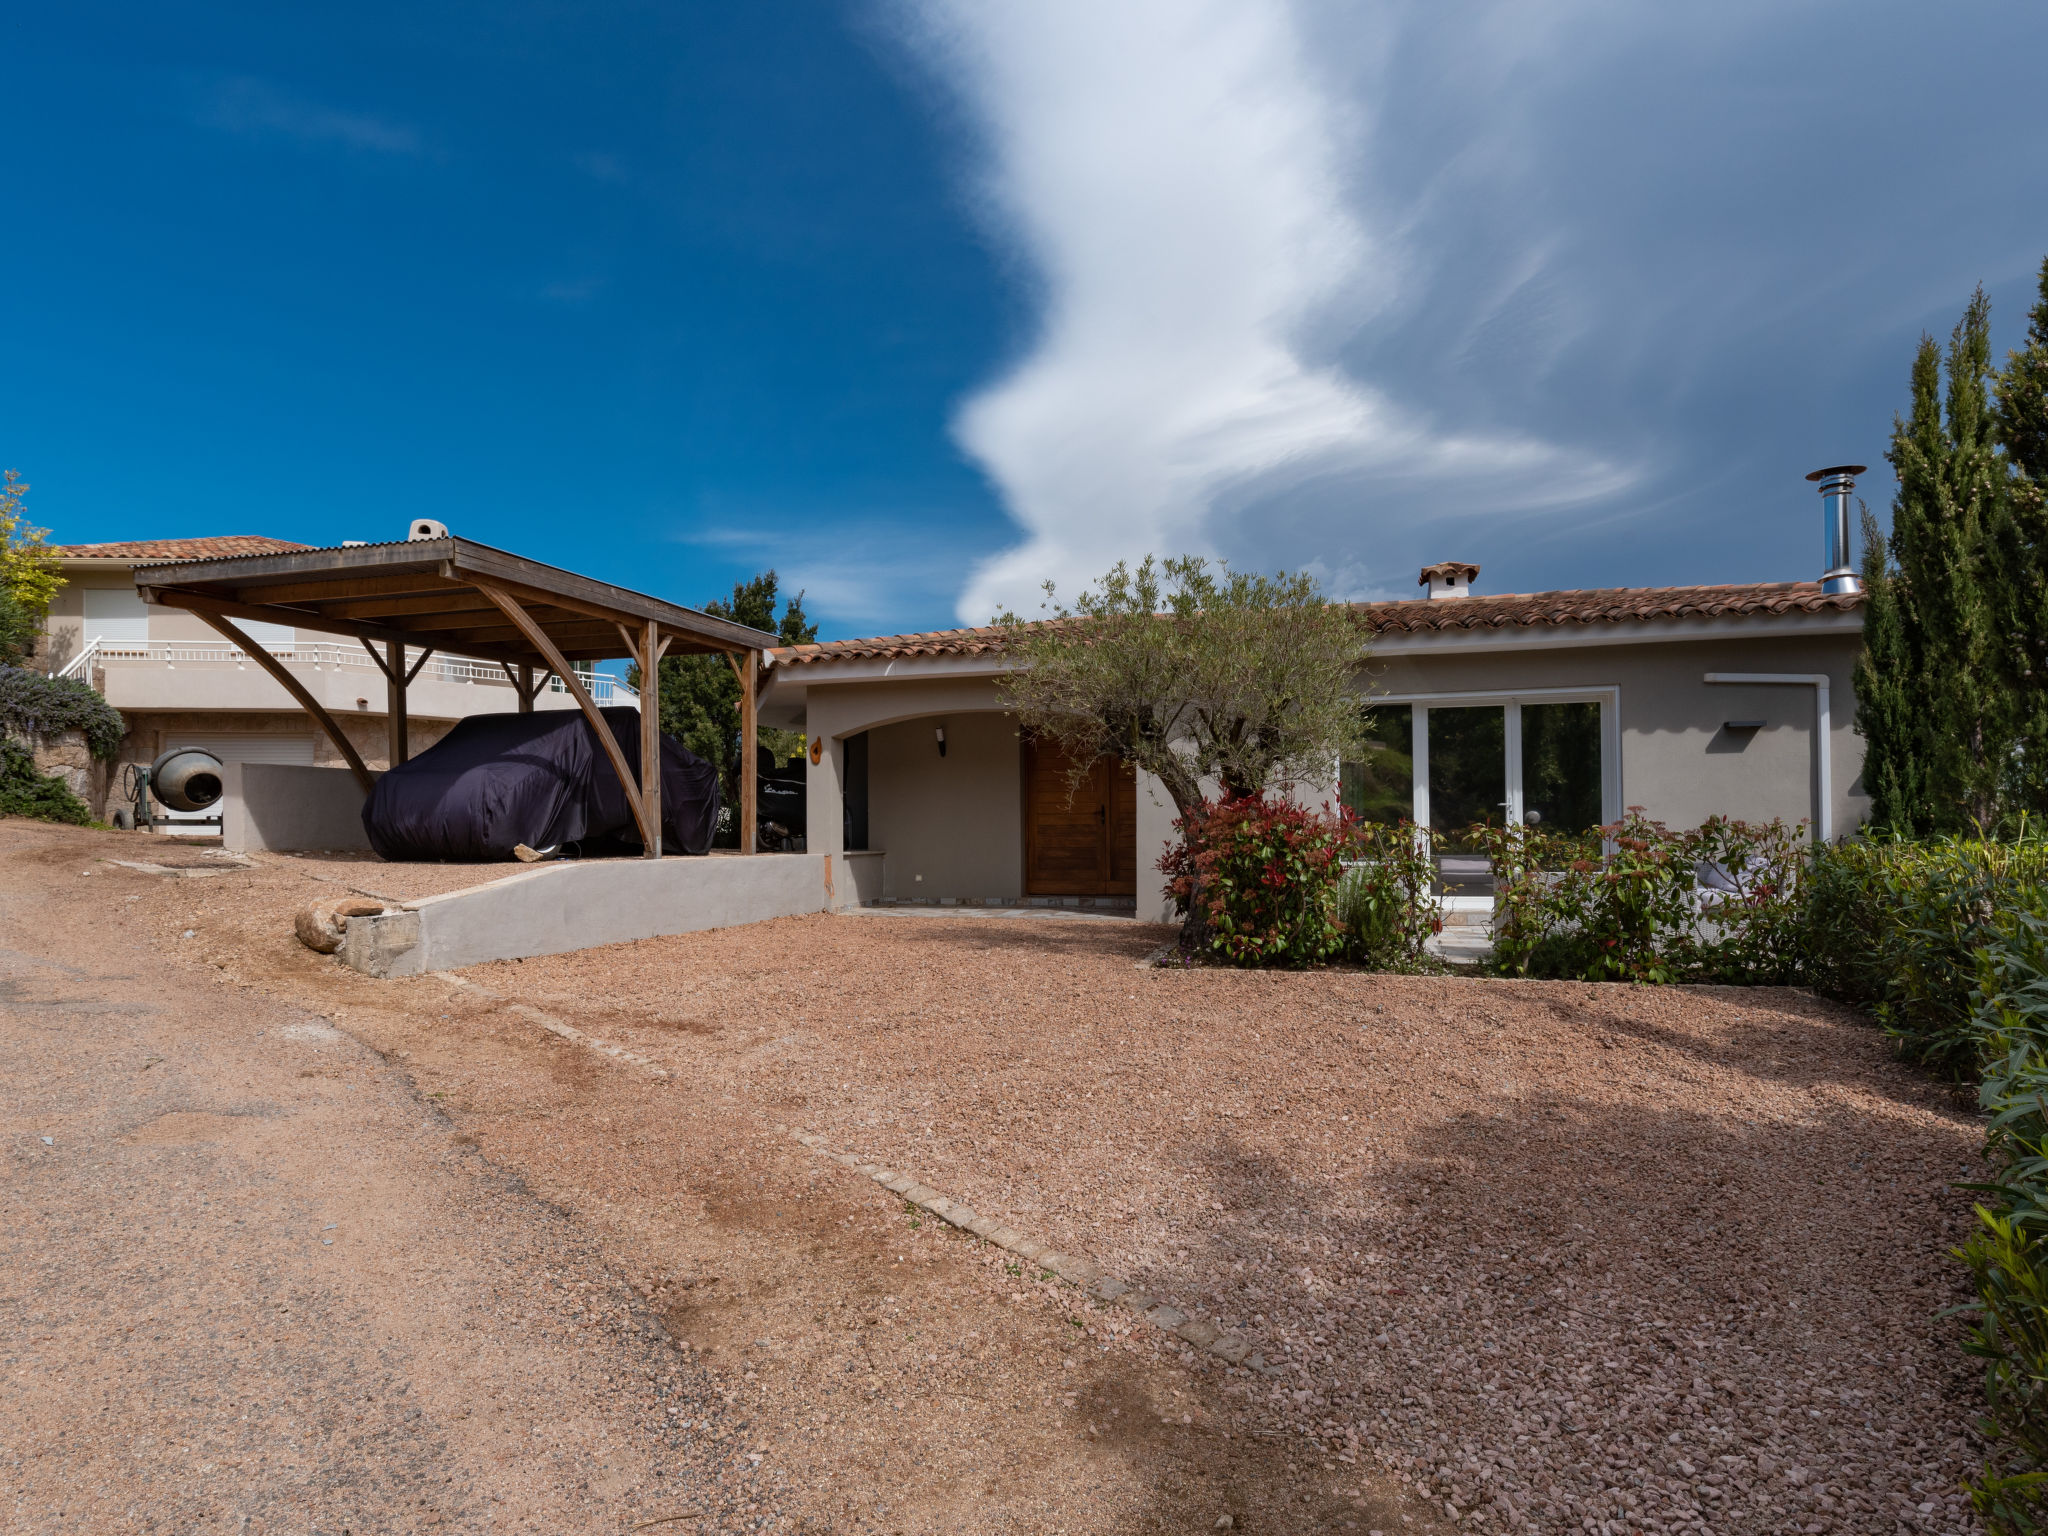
{"points": [[238, 749]]}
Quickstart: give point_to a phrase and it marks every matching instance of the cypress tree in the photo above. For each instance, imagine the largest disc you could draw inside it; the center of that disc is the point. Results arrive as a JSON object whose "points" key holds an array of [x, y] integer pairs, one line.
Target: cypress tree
{"points": [[1888, 713], [2019, 551], [1939, 726]]}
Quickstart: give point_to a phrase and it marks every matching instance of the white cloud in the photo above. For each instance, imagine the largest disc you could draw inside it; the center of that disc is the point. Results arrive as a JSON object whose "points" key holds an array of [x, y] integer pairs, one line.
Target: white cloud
{"points": [[252, 106], [1174, 173]]}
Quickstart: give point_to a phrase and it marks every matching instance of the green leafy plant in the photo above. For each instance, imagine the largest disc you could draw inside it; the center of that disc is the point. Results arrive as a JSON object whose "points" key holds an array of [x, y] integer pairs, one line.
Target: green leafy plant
{"points": [[2007, 1254], [1265, 874], [1635, 901], [28, 574], [1752, 902], [1563, 908], [1383, 904], [34, 705], [26, 790], [1895, 926]]}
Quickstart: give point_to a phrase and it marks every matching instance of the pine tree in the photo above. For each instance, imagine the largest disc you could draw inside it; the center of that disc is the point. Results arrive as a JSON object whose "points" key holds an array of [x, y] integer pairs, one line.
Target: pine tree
{"points": [[1938, 725], [700, 697], [2019, 550]]}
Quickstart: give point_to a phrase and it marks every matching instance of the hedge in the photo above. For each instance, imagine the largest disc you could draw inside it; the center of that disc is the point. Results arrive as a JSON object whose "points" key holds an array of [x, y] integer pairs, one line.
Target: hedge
{"points": [[34, 705]]}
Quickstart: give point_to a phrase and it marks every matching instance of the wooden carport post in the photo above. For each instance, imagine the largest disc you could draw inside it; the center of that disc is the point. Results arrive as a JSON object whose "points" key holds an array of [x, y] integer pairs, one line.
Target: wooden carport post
{"points": [[646, 654], [394, 694], [397, 679], [523, 683], [748, 672], [291, 685], [650, 836]]}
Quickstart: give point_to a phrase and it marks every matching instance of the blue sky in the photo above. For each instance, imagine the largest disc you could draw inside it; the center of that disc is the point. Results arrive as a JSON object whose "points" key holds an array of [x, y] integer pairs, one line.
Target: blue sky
{"points": [[925, 301]]}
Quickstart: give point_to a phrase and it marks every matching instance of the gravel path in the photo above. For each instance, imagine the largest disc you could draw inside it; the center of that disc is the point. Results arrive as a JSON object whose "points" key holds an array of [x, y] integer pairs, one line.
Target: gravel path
{"points": [[1552, 1253]]}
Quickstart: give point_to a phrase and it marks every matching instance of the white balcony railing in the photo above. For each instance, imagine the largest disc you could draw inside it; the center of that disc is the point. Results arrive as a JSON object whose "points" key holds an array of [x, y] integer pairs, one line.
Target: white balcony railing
{"points": [[322, 656]]}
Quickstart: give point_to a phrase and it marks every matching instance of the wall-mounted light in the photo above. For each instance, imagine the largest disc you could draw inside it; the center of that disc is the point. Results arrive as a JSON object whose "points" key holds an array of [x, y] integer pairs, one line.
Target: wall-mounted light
{"points": [[941, 734]]}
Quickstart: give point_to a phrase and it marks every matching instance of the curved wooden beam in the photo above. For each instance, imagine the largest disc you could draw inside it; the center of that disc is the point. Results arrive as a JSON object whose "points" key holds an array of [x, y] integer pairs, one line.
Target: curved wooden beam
{"points": [[538, 638], [291, 685]]}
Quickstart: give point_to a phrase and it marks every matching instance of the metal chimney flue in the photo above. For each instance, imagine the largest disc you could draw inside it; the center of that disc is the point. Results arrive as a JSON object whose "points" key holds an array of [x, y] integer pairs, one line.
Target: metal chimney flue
{"points": [[1837, 486]]}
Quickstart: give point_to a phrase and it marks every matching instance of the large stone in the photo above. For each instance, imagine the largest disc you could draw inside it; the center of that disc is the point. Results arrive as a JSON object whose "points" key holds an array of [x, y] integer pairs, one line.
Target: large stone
{"points": [[321, 926]]}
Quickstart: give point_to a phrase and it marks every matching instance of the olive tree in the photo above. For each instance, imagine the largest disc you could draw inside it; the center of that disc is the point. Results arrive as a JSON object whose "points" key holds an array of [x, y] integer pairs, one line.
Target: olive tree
{"points": [[1198, 675]]}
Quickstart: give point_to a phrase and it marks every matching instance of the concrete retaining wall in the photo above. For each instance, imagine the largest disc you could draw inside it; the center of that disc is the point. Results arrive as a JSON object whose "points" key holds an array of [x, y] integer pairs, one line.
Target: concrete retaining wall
{"points": [[289, 806], [560, 907]]}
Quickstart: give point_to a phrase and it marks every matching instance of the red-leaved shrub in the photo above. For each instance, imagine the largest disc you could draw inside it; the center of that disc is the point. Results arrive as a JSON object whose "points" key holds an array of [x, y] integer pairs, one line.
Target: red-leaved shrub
{"points": [[1260, 875]]}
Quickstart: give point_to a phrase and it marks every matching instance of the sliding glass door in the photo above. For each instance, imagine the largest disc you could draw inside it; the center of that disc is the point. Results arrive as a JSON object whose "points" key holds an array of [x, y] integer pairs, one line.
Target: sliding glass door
{"points": [[1451, 763], [1561, 781], [1380, 786], [1468, 785]]}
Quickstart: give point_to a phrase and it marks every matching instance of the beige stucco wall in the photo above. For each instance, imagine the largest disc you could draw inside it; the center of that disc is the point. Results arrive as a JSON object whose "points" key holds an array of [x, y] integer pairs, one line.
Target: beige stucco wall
{"points": [[948, 826], [961, 826], [1676, 760]]}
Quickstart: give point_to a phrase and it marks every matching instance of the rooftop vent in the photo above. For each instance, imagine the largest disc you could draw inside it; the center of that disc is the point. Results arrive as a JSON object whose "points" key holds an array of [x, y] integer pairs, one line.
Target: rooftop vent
{"points": [[1836, 486], [426, 528], [1449, 578]]}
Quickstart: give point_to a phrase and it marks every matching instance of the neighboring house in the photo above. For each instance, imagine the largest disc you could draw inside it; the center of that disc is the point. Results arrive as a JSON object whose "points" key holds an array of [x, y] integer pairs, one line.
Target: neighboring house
{"points": [[177, 682], [1564, 706]]}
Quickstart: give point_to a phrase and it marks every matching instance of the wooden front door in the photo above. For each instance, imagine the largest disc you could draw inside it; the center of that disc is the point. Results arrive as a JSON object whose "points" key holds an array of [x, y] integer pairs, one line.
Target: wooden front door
{"points": [[1079, 840]]}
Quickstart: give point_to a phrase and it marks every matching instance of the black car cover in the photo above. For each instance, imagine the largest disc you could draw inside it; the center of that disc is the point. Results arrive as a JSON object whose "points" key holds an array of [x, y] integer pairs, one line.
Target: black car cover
{"points": [[540, 779]]}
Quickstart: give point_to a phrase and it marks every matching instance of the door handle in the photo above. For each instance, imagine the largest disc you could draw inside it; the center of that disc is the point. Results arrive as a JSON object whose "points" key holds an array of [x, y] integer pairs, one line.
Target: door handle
{"points": [[1102, 814]]}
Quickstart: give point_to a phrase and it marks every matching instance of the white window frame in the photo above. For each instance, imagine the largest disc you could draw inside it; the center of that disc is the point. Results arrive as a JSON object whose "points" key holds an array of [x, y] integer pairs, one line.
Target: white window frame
{"points": [[1608, 698]]}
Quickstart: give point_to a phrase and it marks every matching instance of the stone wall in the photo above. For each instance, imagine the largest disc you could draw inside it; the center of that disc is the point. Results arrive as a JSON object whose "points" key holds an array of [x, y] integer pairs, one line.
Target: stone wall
{"points": [[65, 756]]}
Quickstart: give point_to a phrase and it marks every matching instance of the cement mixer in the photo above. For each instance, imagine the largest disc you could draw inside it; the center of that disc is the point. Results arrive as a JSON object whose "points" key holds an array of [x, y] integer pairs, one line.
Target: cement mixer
{"points": [[181, 779]]}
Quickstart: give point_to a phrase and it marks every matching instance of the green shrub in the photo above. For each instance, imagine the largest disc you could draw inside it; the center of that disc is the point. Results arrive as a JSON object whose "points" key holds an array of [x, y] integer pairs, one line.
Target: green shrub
{"points": [[1896, 926], [35, 705], [2007, 1255], [1752, 928], [1265, 872], [1627, 901], [1384, 905], [26, 791]]}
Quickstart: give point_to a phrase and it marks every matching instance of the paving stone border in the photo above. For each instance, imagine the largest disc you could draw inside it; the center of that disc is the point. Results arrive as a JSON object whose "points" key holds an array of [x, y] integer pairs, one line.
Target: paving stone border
{"points": [[555, 1026], [1092, 1278]]}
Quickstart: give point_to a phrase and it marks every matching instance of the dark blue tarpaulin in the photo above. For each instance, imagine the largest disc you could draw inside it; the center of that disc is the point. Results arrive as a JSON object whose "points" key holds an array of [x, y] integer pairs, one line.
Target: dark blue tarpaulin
{"points": [[541, 779]]}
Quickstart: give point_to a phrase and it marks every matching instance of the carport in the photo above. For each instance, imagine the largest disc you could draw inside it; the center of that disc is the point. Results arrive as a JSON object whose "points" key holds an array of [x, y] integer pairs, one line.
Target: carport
{"points": [[406, 601]]}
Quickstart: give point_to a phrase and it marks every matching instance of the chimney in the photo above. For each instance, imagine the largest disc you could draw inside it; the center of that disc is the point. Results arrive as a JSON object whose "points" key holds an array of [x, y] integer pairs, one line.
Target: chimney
{"points": [[1449, 578], [1836, 486]]}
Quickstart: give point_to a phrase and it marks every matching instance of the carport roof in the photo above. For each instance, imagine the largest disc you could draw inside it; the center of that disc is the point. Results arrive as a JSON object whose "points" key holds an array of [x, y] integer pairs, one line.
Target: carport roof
{"points": [[436, 593]]}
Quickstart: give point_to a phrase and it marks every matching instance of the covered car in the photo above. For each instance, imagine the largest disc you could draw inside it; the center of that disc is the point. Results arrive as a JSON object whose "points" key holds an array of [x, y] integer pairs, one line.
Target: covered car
{"points": [[542, 779]]}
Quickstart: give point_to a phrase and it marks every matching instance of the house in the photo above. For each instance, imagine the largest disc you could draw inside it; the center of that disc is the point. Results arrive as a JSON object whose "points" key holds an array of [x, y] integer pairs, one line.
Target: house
{"points": [[1558, 707], [177, 682]]}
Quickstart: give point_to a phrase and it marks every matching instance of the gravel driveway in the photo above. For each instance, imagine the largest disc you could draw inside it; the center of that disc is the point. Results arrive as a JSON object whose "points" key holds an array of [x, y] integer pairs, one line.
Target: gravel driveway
{"points": [[1528, 1256], [1549, 1253]]}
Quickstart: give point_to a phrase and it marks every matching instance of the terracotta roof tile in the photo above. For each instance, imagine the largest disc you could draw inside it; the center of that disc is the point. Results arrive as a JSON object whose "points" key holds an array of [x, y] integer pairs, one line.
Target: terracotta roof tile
{"points": [[1608, 605], [220, 547], [984, 641]]}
